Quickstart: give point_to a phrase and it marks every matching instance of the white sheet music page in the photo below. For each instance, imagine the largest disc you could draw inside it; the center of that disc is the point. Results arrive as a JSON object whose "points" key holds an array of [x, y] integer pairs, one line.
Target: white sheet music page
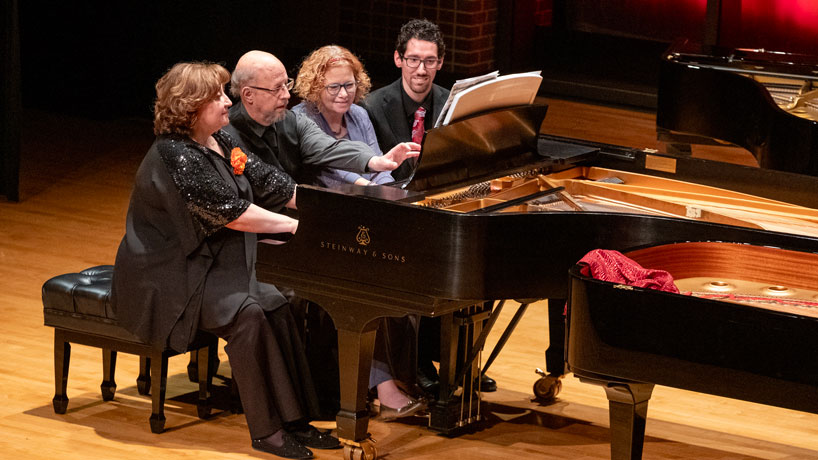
{"points": [[491, 93]]}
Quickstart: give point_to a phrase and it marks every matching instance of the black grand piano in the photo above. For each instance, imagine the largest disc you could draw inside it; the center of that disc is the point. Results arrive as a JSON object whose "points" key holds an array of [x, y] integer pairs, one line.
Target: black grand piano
{"points": [[763, 101], [496, 211]]}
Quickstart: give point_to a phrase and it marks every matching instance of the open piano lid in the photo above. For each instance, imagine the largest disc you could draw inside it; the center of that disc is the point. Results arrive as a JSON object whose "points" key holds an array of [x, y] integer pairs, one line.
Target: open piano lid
{"points": [[751, 61], [481, 147]]}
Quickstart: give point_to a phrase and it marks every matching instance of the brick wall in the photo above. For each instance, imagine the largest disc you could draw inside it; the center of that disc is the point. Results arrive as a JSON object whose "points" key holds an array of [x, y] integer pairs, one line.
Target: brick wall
{"points": [[370, 27], [544, 13]]}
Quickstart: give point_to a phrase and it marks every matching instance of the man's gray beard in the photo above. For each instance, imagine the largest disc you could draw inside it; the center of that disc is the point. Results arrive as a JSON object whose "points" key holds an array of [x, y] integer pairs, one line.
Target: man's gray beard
{"points": [[279, 117]]}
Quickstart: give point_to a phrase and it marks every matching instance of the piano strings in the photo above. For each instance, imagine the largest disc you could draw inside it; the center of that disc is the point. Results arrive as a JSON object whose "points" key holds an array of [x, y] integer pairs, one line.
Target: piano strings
{"points": [[757, 276], [606, 190]]}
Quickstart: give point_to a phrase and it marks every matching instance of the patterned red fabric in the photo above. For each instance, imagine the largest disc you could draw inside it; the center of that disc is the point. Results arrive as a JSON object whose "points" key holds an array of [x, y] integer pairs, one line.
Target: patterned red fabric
{"points": [[613, 266], [417, 125]]}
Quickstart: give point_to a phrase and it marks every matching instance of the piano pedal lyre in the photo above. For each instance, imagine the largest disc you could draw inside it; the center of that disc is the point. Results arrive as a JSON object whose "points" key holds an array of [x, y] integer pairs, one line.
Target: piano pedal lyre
{"points": [[472, 414]]}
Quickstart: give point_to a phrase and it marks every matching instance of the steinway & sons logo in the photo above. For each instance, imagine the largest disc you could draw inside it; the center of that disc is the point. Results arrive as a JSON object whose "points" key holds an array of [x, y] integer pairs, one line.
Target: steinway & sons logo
{"points": [[363, 236], [361, 249]]}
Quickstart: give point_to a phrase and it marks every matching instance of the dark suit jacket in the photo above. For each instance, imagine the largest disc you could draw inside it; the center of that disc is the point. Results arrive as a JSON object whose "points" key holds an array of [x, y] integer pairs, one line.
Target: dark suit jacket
{"points": [[385, 108]]}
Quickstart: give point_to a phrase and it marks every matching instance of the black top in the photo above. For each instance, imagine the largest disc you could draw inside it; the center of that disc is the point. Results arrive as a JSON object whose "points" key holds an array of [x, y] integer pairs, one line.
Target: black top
{"points": [[177, 260]]}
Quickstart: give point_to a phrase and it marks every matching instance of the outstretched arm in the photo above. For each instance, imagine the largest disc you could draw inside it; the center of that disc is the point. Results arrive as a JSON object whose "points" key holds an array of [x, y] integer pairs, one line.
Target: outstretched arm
{"points": [[258, 220], [393, 158]]}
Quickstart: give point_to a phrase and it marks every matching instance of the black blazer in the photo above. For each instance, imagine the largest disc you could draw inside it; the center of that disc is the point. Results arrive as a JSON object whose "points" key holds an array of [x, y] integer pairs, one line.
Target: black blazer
{"points": [[385, 108]]}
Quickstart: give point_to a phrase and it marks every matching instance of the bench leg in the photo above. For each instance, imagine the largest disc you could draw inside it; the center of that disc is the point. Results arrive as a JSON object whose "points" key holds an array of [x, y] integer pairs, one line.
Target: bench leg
{"points": [[108, 385], [193, 365], [62, 357], [204, 379], [159, 372], [143, 381]]}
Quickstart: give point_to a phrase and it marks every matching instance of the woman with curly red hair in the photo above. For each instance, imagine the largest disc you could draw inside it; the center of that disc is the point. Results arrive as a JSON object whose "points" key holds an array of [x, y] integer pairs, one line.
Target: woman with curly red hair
{"points": [[330, 82]]}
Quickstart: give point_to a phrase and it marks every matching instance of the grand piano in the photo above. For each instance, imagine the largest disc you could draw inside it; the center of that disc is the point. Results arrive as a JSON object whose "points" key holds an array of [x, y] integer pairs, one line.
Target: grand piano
{"points": [[497, 211], [746, 312], [763, 101]]}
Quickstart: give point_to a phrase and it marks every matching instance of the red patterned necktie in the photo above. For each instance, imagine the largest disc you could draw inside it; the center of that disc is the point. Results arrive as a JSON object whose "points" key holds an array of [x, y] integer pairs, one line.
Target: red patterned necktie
{"points": [[417, 125]]}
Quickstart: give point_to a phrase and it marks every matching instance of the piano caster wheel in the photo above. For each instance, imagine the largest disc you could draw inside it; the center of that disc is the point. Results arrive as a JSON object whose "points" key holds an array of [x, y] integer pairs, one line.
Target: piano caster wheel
{"points": [[365, 451], [547, 388]]}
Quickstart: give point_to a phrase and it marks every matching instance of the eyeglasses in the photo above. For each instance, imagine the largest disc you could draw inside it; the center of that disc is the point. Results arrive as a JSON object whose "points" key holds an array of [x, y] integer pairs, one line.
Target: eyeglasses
{"points": [[413, 62], [335, 88], [277, 89]]}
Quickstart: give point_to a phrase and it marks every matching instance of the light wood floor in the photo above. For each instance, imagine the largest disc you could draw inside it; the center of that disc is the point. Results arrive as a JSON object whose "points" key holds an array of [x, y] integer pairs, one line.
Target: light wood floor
{"points": [[75, 183]]}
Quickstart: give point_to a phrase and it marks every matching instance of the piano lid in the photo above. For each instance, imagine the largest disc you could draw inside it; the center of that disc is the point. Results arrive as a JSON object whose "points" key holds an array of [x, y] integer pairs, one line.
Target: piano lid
{"points": [[765, 102], [754, 61], [479, 147]]}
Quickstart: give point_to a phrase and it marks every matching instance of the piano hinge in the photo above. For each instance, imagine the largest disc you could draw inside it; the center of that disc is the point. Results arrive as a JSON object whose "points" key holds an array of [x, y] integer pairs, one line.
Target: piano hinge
{"points": [[621, 154]]}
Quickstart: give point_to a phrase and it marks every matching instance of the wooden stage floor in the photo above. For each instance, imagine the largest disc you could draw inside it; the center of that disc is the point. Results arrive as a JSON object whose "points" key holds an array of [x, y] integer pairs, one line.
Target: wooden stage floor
{"points": [[75, 183]]}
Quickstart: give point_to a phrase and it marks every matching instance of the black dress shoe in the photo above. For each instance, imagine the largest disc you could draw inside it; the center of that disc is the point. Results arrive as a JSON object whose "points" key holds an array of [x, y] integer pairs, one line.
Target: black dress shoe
{"points": [[317, 439], [428, 380], [290, 449], [487, 384]]}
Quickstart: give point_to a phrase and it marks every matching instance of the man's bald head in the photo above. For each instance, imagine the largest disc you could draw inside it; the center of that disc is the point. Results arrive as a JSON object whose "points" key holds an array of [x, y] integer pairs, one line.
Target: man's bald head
{"points": [[260, 81], [252, 65]]}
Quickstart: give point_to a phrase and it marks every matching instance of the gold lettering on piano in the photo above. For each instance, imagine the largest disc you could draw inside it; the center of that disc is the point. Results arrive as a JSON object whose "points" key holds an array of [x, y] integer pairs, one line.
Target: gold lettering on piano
{"points": [[344, 248], [663, 164], [360, 251]]}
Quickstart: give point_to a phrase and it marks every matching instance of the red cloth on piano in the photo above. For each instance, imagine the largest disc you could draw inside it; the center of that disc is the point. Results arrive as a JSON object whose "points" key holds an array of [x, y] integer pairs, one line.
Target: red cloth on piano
{"points": [[613, 266]]}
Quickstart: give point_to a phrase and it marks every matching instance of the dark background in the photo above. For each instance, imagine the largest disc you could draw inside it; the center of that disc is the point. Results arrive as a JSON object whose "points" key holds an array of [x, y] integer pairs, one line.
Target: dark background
{"points": [[100, 59]]}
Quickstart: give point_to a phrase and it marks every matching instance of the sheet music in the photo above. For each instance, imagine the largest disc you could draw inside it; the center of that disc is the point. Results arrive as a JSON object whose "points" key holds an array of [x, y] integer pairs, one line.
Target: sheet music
{"points": [[461, 85], [489, 91]]}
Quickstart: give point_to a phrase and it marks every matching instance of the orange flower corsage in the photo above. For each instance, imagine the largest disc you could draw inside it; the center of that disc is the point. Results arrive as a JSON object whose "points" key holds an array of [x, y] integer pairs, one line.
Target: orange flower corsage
{"points": [[237, 160]]}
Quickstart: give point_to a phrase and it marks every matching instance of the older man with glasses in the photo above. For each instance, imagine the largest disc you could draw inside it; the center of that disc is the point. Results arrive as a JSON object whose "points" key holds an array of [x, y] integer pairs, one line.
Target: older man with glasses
{"points": [[405, 109], [263, 123]]}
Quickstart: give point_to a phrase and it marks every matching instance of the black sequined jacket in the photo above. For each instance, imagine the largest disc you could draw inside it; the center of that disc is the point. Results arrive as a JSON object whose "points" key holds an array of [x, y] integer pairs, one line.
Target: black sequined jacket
{"points": [[178, 267]]}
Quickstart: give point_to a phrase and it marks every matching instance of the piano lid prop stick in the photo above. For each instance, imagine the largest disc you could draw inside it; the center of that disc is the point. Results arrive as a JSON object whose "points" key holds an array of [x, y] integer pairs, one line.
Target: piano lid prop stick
{"points": [[565, 196], [516, 201]]}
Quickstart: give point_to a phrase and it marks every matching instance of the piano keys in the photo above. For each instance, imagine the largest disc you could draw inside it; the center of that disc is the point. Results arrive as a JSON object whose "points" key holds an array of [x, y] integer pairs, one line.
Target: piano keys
{"points": [[426, 248], [765, 102]]}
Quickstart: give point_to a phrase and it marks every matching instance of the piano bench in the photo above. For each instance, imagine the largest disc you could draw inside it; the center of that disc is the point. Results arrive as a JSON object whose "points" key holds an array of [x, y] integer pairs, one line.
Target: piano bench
{"points": [[78, 307]]}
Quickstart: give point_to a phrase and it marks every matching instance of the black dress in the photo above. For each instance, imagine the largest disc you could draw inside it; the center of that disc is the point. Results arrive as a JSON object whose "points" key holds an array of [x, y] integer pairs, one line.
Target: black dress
{"points": [[179, 269]]}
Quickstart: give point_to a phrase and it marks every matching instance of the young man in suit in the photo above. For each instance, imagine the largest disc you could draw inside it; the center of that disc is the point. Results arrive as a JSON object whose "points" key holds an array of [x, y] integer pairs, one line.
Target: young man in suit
{"points": [[403, 110]]}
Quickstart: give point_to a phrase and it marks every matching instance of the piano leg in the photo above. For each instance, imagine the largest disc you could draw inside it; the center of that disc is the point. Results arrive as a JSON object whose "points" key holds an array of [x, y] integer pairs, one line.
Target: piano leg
{"points": [[549, 385], [355, 350], [628, 412]]}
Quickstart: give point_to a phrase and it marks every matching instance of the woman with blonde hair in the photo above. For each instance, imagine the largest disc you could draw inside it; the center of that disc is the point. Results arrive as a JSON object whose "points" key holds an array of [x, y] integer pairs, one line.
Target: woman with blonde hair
{"points": [[187, 260]]}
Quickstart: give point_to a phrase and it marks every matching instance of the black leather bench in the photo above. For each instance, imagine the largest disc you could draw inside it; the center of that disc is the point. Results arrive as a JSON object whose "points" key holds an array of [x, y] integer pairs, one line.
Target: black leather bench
{"points": [[78, 307]]}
